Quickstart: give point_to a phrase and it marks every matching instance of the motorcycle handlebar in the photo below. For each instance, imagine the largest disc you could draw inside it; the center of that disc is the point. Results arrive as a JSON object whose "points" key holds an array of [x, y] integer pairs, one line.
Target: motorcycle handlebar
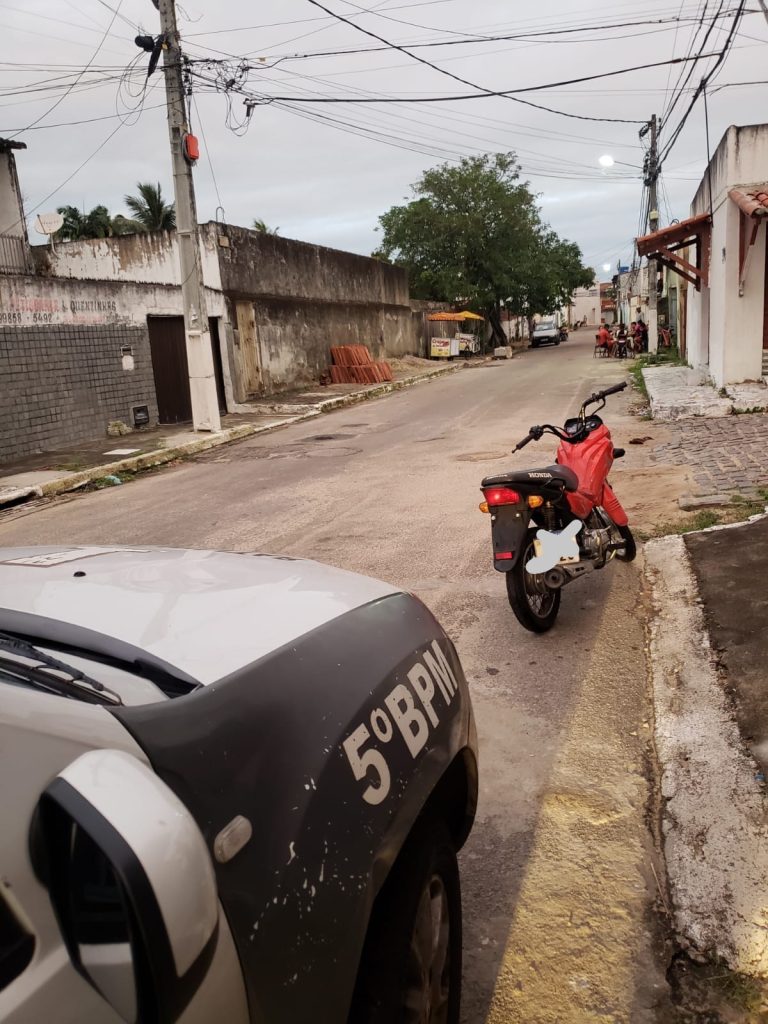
{"points": [[526, 440], [600, 395]]}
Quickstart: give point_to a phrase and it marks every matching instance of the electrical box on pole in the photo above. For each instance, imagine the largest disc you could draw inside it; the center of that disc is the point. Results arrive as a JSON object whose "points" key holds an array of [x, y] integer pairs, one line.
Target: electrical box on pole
{"points": [[202, 380]]}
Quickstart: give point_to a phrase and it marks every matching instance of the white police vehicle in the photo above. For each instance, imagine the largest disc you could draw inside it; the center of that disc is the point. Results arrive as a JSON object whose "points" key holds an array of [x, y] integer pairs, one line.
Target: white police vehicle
{"points": [[232, 789]]}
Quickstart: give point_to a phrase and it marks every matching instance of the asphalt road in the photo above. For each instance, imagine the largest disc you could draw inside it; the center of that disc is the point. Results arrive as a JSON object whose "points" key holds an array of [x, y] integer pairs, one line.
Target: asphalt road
{"points": [[390, 488]]}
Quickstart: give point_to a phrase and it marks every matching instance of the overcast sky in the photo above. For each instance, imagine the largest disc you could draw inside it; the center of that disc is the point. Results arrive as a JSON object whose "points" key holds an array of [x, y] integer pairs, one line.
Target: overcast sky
{"points": [[325, 173]]}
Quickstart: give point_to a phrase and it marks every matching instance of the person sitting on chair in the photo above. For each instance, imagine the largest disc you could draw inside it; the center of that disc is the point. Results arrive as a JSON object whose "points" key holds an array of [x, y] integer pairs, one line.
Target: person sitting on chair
{"points": [[605, 339]]}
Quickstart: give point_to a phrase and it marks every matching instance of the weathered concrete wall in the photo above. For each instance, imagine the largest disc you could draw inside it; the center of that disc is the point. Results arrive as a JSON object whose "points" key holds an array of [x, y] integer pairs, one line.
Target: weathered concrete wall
{"points": [[306, 298], [150, 257], [30, 301], [269, 266], [15, 256], [294, 337]]}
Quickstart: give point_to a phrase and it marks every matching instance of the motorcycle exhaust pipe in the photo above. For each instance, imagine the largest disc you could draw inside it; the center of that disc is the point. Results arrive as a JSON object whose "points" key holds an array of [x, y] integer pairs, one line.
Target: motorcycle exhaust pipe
{"points": [[555, 578]]}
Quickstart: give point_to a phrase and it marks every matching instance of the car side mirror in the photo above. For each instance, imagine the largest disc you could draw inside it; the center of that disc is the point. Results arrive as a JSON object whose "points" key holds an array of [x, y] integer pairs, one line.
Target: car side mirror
{"points": [[131, 883]]}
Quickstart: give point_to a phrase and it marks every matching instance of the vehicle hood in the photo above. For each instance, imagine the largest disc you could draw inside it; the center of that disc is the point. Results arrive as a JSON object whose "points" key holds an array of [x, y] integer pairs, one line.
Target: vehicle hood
{"points": [[208, 613]]}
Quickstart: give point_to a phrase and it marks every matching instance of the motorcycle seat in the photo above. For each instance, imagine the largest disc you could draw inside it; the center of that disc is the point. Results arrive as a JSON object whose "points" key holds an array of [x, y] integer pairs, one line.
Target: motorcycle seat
{"points": [[535, 476]]}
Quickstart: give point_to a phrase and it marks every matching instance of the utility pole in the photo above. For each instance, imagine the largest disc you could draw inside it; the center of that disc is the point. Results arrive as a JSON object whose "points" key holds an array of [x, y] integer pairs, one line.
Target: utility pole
{"points": [[202, 380], [653, 223]]}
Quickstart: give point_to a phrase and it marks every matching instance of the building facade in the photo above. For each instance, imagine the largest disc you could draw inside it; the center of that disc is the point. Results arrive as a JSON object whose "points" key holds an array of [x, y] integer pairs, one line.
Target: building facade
{"points": [[92, 331], [721, 254]]}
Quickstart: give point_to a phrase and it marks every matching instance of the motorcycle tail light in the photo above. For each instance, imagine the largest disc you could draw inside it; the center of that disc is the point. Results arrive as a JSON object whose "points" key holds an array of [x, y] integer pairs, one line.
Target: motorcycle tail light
{"points": [[500, 496]]}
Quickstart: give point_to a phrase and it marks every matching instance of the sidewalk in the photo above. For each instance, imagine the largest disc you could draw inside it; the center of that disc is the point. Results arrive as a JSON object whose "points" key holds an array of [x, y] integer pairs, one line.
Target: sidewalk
{"points": [[678, 393], [104, 459], [709, 650]]}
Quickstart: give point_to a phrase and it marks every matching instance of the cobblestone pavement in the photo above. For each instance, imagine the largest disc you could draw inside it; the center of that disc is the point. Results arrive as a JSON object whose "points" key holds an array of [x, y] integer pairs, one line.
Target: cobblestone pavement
{"points": [[727, 455]]}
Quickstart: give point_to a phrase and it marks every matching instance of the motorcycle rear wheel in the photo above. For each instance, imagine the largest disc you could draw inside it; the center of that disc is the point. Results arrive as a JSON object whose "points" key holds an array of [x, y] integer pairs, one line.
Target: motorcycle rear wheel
{"points": [[534, 603], [630, 549]]}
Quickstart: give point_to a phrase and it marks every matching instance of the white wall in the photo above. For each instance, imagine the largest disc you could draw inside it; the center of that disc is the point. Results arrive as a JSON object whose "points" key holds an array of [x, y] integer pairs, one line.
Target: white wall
{"points": [[733, 348], [697, 329], [143, 258], [586, 303], [11, 214]]}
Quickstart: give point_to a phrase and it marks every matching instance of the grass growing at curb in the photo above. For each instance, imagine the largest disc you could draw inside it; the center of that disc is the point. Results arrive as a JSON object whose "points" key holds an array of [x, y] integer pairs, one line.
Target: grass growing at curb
{"points": [[713, 992], [737, 510], [669, 357]]}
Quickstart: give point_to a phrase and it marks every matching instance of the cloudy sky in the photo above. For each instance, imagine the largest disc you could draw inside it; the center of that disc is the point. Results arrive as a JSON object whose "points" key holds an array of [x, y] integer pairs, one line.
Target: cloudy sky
{"points": [[324, 172]]}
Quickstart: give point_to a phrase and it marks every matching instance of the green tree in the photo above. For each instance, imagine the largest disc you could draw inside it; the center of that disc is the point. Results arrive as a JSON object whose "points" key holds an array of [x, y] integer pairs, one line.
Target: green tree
{"points": [[553, 271], [78, 224], [473, 235], [126, 225], [150, 209], [260, 225]]}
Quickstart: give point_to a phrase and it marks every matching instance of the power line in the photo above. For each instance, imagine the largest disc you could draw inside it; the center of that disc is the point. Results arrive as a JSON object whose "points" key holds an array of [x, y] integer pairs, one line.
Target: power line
{"points": [[450, 74], [515, 36], [207, 151], [512, 94], [87, 66], [703, 84], [69, 178], [87, 120]]}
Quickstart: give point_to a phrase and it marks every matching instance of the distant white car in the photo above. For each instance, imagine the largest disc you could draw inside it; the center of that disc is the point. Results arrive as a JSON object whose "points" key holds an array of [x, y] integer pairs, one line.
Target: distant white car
{"points": [[545, 332], [232, 790]]}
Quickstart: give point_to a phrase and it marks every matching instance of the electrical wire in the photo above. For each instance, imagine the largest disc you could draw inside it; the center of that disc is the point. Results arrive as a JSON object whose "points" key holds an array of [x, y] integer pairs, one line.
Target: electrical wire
{"points": [[450, 74], [207, 151], [61, 99], [546, 36], [703, 84], [67, 180]]}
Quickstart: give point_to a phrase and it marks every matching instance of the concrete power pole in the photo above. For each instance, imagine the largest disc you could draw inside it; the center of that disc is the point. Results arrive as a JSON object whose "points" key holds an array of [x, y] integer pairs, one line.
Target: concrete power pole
{"points": [[202, 380], [653, 223]]}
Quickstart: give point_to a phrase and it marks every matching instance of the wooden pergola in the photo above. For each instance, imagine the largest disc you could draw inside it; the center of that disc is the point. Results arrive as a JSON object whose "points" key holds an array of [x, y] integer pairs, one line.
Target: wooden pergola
{"points": [[664, 245]]}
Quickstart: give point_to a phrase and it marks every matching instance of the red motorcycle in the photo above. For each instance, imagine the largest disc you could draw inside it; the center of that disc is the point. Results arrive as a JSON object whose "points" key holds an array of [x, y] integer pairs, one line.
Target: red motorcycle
{"points": [[550, 526]]}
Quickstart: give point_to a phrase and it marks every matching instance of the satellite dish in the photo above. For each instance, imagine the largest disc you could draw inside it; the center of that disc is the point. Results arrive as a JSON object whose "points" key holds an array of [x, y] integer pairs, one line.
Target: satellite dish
{"points": [[48, 223]]}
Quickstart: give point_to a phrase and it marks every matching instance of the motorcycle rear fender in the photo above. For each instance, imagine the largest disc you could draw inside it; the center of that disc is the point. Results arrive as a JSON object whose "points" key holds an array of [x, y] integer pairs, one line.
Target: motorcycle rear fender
{"points": [[509, 526]]}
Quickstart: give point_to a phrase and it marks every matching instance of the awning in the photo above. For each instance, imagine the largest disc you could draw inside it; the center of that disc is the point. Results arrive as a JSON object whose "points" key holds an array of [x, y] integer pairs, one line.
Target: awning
{"points": [[663, 245], [753, 208], [455, 317]]}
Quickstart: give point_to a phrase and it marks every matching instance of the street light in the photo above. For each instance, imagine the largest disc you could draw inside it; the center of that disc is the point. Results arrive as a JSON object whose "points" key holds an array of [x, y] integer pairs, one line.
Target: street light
{"points": [[606, 160], [606, 267]]}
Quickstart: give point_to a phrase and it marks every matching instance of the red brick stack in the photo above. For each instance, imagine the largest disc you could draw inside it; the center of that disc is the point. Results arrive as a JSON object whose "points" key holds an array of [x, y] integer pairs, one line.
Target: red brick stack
{"points": [[352, 364]]}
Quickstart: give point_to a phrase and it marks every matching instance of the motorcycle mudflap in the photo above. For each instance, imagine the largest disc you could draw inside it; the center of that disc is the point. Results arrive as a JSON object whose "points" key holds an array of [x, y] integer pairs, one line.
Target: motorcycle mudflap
{"points": [[508, 530]]}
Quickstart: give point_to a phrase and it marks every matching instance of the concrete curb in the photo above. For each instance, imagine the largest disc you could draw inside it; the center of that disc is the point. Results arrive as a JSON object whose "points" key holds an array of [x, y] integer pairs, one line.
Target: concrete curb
{"points": [[150, 460], [714, 804]]}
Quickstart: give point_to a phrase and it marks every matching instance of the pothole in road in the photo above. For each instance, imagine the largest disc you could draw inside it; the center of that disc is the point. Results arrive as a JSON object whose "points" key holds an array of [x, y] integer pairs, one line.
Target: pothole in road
{"points": [[289, 451], [481, 456], [331, 437]]}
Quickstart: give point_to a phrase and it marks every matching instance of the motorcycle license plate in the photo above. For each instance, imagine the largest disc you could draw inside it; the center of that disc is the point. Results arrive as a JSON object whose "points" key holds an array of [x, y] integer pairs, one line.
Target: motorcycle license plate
{"points": [[564, 559]]}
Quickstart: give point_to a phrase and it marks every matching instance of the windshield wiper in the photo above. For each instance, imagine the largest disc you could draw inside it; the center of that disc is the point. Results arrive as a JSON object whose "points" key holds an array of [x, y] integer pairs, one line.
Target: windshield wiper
{"points": [[49, 673]]}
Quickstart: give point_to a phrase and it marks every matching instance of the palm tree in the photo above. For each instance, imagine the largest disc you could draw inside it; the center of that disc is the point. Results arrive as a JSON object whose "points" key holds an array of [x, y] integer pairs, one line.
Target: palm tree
{"points": [[78, 224], [260, 225], [150, 209], [126, 225]]}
